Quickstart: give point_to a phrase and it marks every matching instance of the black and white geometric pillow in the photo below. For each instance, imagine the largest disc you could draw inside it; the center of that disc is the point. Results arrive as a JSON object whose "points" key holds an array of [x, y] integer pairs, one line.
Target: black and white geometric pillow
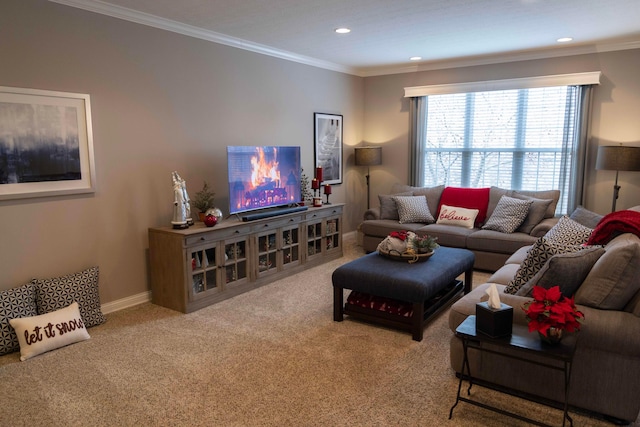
{"points": [[536, 258], [14, 303], [413, 209], [508, 215], [568, 232], [82, 287]]}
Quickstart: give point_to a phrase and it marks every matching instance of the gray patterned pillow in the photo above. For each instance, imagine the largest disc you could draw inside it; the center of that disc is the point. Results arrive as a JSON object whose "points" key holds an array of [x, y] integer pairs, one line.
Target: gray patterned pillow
{"points": [[508, 215], [82, 287], [568, 232], [413, 209], [14, 303], [536, 258]]}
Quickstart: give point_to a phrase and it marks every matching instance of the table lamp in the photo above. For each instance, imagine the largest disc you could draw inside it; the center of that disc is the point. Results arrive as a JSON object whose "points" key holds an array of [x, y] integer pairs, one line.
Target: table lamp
{"points": [[618, 158], [368, 156]]}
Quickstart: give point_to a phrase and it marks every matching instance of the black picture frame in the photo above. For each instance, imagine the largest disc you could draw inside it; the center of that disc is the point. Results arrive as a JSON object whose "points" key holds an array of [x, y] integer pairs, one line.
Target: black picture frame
{"points": [[328, 132]]}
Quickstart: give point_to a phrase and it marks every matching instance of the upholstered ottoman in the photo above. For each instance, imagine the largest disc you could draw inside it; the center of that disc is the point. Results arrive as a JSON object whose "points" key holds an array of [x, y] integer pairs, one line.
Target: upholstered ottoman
{"points": [[427, 286]]}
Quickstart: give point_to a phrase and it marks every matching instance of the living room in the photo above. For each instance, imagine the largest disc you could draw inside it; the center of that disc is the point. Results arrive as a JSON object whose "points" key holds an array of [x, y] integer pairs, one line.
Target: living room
{"points": [[163, 101]]}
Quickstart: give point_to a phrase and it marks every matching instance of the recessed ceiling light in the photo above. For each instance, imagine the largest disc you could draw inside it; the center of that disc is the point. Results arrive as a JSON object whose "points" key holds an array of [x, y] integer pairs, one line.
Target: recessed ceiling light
{"points": [[415, 58], [564, 39], [342, 30]]}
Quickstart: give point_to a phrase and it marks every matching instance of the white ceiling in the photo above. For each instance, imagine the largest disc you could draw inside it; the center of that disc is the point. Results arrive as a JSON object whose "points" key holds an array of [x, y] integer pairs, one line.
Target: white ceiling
{"points": [[385, 33]]}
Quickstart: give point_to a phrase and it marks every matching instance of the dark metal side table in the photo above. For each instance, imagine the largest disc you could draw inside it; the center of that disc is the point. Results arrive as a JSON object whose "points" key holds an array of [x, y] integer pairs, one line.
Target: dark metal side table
{"points": [[521, 340]]}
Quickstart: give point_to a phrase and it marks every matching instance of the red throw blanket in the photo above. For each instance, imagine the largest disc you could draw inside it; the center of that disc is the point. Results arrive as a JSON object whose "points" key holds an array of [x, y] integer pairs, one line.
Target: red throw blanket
{"points": [[614, 224]]}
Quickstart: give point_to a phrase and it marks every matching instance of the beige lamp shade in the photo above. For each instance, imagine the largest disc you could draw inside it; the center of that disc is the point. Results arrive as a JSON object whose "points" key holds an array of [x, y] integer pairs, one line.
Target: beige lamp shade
{"points": [[368, 156], [618, 158]]}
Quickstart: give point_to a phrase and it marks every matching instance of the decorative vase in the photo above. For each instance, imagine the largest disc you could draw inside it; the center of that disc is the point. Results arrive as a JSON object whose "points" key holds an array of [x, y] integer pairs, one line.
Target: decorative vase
{"points": [[554, 335]]}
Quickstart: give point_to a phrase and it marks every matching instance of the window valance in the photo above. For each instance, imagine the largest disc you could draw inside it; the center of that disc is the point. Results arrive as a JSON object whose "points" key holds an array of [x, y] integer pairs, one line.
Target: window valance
{"points": [[575, 79]]}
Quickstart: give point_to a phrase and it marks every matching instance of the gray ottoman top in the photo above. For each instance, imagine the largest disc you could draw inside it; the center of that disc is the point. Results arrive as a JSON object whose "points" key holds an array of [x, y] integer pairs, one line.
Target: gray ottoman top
{"points": [[418, 282]]}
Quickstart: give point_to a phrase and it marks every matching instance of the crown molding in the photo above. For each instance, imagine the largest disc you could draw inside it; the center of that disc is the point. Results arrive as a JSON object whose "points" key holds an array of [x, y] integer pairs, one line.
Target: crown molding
{"points": [[500, 58], [130, 15], [188, 30]]}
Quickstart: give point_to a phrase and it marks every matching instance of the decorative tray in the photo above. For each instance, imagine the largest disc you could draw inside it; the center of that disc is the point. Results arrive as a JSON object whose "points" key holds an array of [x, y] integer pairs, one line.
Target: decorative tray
{"points": [[410, 258]]}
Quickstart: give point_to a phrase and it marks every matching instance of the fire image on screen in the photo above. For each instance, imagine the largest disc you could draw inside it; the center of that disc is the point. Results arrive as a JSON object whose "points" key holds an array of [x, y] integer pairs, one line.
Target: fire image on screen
{"points": [[263, 177]]}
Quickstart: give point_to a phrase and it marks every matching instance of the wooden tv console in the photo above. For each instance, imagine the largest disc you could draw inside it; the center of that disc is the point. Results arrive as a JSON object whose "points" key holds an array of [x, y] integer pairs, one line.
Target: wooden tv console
{"points": [[192, 268]]}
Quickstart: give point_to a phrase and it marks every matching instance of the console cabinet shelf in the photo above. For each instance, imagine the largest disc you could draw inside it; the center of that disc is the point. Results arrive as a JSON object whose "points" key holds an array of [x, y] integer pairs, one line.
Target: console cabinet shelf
{"points": [[193, 268]]}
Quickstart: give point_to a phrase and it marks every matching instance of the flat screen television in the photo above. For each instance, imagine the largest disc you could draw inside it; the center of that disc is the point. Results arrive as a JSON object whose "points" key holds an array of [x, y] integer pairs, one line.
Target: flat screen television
{"points": [[263, 177]]}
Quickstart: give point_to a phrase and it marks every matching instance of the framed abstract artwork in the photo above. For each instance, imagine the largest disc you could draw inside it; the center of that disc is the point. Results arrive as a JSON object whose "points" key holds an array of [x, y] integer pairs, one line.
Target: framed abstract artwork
{"points": [[46, 143], [328, 146]]}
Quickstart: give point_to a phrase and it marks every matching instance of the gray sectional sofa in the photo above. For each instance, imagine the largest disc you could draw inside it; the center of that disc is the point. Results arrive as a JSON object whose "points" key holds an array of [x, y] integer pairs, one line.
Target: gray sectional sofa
{"points": [[606, 367], [491, 248]]}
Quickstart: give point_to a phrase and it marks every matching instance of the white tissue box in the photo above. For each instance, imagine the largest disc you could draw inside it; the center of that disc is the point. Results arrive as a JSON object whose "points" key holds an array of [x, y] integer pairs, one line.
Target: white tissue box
{"points": [[495, 322]]}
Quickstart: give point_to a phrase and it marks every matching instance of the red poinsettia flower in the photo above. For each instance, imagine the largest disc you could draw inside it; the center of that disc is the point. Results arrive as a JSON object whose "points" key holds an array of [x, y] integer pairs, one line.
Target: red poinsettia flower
{"points": [[550, 309]]}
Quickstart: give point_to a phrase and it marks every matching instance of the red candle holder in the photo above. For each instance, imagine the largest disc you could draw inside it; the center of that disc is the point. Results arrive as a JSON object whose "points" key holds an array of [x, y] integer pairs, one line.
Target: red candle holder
{"points": [[327, 192]]}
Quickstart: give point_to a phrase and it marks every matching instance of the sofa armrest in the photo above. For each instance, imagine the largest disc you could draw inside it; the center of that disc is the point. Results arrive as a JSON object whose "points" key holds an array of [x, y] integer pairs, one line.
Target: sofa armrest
{"points": [[543, 226], [610, 331], [373, 213]]}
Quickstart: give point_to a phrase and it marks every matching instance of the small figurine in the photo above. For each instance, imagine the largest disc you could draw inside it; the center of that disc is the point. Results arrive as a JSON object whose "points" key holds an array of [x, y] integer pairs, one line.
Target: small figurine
{"points": [[179, 208], [187, 201]]}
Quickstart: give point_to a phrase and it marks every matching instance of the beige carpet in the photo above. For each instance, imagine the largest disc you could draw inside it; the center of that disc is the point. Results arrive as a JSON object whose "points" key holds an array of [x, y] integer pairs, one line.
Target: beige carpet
{"points": [[270, 357]]}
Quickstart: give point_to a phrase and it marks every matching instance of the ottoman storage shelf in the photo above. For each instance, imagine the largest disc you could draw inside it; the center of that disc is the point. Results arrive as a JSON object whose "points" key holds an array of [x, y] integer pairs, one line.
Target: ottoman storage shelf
{"points": [[426, 286]]}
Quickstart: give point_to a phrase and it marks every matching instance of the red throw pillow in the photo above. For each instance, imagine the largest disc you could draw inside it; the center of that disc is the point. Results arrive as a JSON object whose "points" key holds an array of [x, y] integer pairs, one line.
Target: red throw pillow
{"points": [[470, 198]]}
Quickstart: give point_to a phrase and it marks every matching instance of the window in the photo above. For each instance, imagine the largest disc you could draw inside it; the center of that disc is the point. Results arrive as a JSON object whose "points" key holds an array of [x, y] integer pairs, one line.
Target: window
{"points": [[530, 138]]}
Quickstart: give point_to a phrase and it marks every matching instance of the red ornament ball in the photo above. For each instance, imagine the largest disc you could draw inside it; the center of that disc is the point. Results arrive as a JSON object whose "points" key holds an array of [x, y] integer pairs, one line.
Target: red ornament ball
{"points": [[210, 220]]}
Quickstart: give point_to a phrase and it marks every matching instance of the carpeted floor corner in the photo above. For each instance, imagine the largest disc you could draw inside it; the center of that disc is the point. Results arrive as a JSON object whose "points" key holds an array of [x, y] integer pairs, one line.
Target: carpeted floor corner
{"points": [[269, 357]]}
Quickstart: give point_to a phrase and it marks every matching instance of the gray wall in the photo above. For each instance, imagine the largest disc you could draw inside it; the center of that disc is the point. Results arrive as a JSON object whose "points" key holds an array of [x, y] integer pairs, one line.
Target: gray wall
{"points": [[615, 111], [163, 102], [160, 102]]}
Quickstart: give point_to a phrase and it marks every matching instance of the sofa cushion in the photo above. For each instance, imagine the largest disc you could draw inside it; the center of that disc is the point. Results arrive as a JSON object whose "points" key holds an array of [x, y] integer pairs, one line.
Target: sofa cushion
{"points": [[433, 196], [508, 215], [495, 241], [506, 273], [536, 212], [537, 256], [585, 217], [518, 256], [470, 198], [554, 195], [568, 232], [388, 207], [458, 216], [615, 278], [382, 227], [454, 237], [567, 271], [413, 209], [14, 303]]}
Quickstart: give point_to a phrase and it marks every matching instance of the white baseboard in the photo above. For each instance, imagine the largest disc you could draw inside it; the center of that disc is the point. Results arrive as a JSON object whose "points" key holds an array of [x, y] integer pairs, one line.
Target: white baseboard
{"points": [[127, 302], [143, 297]]}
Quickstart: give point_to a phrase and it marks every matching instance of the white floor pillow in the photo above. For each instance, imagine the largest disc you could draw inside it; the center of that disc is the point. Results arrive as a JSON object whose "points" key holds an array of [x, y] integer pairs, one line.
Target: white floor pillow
{"points": [[39, 334]]}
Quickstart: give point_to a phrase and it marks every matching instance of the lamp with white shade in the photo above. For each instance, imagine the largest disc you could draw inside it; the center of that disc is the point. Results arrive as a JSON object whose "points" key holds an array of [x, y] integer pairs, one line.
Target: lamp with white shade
{"points": [[618, 158], [368, 156]]}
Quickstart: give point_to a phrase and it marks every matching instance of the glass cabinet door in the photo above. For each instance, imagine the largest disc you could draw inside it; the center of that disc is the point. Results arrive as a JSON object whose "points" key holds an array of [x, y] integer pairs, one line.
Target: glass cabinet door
{"points": [[267, 253], [314, 238], [290, 246], [204, 270], [235, 262], [332, 234]]}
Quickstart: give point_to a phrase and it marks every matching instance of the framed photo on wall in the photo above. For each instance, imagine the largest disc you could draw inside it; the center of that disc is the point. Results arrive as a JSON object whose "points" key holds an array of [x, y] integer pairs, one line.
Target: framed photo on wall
{"points": [[328, 146], [46, 143]]}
